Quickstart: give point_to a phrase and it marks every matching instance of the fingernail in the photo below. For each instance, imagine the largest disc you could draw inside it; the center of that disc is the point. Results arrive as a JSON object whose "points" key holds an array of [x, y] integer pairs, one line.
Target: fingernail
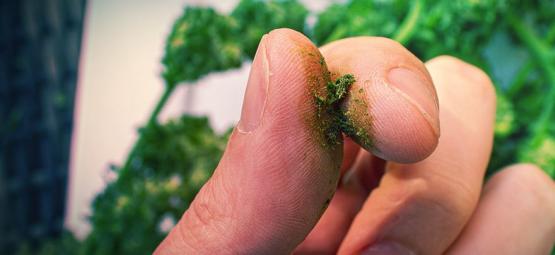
{"points": [[417, 91], [256, 92], [387, 248]]}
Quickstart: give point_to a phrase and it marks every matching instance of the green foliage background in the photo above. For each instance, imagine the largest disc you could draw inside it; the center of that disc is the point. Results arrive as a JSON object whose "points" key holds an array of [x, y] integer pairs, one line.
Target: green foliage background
{"points": [[511, 40]]}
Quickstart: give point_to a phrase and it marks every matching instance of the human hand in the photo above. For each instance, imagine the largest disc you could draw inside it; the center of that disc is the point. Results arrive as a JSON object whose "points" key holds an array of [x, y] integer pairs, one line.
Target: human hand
{"points": [[270, 192]]}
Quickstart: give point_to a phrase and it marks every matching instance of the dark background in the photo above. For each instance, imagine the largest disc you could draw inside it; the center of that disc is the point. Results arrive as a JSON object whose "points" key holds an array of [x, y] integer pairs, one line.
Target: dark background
{"points": [[39, 55]]}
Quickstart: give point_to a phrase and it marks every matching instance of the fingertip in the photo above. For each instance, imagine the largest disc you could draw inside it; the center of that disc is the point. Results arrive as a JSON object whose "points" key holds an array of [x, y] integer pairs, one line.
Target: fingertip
{"points": [[393, 100]]}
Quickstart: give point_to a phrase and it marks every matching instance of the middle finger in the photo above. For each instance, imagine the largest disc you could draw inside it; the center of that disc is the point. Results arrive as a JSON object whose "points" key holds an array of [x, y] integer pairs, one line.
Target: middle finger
{"points": [[421, 208]]}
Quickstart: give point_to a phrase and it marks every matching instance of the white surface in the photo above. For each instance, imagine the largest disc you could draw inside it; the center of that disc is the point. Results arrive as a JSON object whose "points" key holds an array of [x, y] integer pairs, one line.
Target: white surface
{"points": [[119, 83]]}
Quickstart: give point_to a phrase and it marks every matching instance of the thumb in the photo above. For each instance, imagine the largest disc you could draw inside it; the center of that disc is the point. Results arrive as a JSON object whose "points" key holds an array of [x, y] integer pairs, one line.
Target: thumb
{"points": [[278, 172], [280, 168]]}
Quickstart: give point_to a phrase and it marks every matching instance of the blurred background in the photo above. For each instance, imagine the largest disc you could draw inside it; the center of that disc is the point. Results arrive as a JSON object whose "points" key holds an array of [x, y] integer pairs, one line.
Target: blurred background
{"points": [[77, 79], [114, 113], [40, 46]]}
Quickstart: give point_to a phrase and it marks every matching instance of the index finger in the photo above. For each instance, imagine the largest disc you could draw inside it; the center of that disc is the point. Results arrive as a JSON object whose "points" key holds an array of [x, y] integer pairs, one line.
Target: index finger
{"points": [[393, 98], [401, 120]]}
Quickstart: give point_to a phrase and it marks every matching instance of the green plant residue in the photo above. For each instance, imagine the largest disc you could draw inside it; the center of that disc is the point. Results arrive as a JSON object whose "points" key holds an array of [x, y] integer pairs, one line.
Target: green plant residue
{"points": [[329, 111], [355, 130]]}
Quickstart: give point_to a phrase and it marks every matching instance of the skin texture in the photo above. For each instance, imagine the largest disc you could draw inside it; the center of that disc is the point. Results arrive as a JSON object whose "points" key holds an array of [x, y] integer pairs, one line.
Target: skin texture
{"points": [[236, 203], [271, 189], [434, 197], [530, 194], [406, 133]]}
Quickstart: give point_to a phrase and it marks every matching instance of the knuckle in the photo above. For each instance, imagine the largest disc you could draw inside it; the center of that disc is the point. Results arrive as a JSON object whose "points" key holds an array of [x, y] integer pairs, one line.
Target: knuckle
{"points": [[474, 76], [205, 213], [444, 211], [528, 180], [207, 210], [207, 220], [446, 198], [454, 195]]}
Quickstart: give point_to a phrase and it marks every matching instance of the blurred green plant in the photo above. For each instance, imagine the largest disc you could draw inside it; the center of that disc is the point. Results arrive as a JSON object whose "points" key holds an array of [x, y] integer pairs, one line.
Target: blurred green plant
{"points": [[256, 18], [171, 161]]}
